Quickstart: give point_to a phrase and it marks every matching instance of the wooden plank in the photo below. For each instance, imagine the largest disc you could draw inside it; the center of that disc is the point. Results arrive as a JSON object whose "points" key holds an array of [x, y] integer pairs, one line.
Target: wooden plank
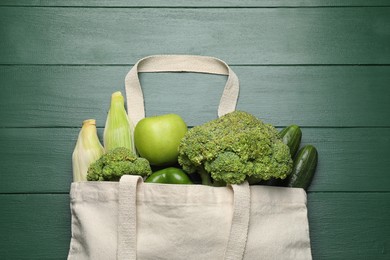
{"points": [[349, 225], [63, 96], [34, 226], [36, 160], [342, 226], [237, 35], [335, 96], [198, 3], [350, 159]]}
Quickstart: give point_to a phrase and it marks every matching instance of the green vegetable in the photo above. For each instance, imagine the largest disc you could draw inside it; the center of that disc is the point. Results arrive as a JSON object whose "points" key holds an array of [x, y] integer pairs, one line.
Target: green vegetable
{"points": [[170, 175], [88, 149], [157, 138], [292, 136], [233, 148], [304, 167], [117, 131], [117, 162]]}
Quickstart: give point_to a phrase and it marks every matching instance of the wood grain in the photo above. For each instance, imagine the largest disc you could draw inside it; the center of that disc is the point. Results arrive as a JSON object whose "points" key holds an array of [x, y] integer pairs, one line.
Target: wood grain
{"points": [[37, 226], [39, 159], [321, 64], [34, 226], [349, 225], [198, 3], [236, 35], [63, 96]]}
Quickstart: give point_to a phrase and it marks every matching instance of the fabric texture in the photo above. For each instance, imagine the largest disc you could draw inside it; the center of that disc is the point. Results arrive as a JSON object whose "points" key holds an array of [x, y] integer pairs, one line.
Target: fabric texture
{"points": [[130, 220], [179, 63], [187, 222]]}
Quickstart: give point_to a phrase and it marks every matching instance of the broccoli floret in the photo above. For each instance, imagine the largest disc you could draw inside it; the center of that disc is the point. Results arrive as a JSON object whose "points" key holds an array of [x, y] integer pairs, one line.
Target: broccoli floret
{"points": [[234, 148], [117, 162]]}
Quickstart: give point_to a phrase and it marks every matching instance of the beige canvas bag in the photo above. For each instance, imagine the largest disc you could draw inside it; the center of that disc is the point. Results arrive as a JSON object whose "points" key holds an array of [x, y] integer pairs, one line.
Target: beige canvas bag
{"points": [[131, 219]]}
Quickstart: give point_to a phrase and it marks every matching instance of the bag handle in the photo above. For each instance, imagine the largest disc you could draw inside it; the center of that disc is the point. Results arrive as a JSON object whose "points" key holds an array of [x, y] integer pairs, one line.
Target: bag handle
{"points": [[178, 63], [240, 222], [127, 219]]}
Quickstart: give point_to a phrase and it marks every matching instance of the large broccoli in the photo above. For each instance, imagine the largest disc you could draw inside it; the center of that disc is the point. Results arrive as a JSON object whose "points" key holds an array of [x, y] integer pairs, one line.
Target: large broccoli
{"points": [[234, 148], [117, 162]]}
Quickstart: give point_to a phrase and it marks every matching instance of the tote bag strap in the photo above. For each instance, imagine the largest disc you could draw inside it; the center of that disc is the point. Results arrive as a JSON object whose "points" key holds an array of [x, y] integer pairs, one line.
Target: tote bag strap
{"points": [[127, 219], [240, 222], [178, 63]]}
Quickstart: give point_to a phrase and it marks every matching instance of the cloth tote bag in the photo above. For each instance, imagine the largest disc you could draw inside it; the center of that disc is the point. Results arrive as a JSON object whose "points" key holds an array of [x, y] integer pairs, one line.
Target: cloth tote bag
{"points": [[130, 219]]}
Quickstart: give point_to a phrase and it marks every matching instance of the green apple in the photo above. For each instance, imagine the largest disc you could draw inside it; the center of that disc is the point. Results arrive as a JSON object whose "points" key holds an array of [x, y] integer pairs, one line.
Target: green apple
{"points": [[157, 138]]}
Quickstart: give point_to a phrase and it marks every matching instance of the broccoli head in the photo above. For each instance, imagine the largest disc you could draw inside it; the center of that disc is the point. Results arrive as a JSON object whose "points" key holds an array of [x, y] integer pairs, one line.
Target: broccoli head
{"points": [[234, 148], [117, 162]]}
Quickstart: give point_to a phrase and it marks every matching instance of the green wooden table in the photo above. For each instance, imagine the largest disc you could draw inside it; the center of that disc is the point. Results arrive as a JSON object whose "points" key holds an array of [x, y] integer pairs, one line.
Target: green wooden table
{"points": [[324, 65]]}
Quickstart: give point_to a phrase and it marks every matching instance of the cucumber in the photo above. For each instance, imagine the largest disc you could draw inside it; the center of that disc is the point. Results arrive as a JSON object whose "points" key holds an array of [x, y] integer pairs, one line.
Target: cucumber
{"points": [[305, 164], [292, 136]]}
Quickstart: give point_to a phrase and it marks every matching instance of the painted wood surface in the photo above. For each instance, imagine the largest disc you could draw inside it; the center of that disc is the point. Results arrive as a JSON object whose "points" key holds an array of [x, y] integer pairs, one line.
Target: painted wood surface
{"points": [[320, 96], [237, 35], [350, 159], [343, 226], [323, 65], [198, 3]]}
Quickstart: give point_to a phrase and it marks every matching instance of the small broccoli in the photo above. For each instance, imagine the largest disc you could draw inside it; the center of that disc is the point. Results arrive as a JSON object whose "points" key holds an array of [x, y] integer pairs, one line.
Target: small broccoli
{"points": [[117, 162], [234, 148]]}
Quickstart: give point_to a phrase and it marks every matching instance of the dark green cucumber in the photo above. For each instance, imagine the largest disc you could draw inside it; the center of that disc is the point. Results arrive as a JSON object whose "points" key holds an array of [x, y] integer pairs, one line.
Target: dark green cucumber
{"points": [[305, 164], [292, 136]]}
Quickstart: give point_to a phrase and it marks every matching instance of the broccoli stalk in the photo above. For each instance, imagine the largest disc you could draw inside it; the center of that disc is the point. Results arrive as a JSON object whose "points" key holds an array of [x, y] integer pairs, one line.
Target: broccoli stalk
{"points": [[234, 148], [204, 176], [117, 162], [207, 180]]}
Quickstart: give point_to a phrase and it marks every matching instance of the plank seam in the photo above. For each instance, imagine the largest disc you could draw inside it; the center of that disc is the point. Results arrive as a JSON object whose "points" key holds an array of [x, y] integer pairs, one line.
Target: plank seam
{"points": [[196, 7], [230, 64]]}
